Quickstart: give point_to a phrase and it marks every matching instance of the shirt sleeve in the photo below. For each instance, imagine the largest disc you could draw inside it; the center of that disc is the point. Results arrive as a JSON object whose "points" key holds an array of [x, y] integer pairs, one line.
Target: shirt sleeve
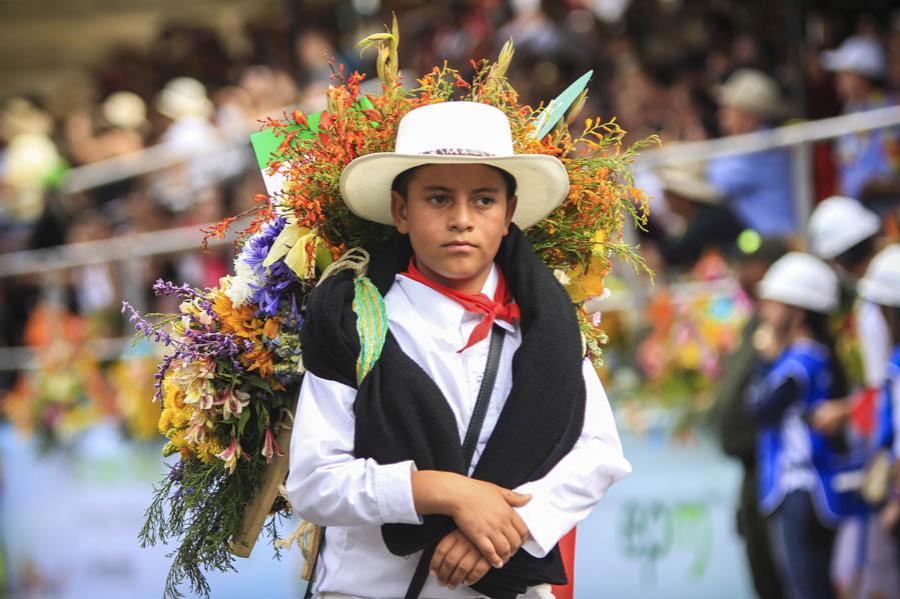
{"points": [[769, 396], [568, 493], [733, 176], [326, 484]]}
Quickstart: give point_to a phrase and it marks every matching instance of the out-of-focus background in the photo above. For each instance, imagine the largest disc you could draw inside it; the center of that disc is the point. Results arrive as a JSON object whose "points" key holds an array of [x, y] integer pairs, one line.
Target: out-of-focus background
{"points": [[124, 130]]}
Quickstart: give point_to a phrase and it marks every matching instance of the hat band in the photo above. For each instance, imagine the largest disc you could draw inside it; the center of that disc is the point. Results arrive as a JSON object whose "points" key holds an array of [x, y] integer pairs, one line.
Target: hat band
{"points": [[457, 152]]}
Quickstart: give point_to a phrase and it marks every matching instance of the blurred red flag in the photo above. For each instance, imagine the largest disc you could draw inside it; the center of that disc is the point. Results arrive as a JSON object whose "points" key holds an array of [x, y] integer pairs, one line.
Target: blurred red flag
{"points": [[567, 548]]}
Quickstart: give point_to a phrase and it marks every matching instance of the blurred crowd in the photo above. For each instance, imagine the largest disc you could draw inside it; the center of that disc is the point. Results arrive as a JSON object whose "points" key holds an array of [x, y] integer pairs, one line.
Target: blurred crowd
{"points": [[684, 71]]}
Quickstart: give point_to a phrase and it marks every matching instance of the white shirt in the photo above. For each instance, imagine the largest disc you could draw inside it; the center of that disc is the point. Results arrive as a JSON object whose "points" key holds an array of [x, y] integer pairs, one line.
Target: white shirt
{"points": [[353, 497], [874, 342]]}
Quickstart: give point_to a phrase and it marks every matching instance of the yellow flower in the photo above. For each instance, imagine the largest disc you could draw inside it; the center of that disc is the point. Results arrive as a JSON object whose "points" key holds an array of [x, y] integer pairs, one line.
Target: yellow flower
{"points": [[195, 379], [588, 284]]}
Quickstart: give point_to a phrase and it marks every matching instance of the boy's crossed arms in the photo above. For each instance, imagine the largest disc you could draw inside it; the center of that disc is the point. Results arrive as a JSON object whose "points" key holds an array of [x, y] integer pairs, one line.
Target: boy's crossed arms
{"points": [[490, 531]]}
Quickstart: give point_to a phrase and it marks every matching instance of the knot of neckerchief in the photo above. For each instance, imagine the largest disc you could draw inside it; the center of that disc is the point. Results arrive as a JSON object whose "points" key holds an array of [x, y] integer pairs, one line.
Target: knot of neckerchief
{"points": [[501, 306]]}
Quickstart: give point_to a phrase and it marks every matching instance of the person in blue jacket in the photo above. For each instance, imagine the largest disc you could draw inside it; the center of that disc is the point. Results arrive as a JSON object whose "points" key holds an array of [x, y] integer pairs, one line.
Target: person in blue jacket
{"points": [[806, 478], [881, 286]]}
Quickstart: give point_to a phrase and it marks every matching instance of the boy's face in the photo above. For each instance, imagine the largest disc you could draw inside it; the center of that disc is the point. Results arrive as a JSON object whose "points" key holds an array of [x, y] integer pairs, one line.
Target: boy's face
{"points": [[455, 215]]}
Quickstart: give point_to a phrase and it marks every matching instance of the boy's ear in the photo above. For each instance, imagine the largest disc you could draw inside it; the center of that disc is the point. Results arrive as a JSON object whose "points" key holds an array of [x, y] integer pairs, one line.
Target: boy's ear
{"points": [[511, 204], [398, 212]]}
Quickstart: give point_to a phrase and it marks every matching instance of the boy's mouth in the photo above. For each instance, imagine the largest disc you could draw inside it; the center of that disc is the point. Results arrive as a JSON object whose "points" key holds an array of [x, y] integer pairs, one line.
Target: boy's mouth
{"points": [[459, 244]]}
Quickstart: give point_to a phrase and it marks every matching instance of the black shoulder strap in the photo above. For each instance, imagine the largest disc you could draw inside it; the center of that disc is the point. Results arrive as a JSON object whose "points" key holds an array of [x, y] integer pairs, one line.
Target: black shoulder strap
{"points": [[471, 440]]}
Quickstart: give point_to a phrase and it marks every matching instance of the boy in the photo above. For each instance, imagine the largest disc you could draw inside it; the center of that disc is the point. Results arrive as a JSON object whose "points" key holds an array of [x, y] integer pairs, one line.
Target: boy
{"points": [[478, 435]]}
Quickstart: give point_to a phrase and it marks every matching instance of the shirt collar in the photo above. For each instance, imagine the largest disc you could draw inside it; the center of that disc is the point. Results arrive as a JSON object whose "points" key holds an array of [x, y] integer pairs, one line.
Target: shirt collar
{"points": [[444, 315]]}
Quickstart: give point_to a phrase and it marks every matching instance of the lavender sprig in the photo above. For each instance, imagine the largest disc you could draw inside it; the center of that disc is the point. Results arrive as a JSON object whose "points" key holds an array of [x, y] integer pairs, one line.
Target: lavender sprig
{"points": [[186, 292], [146, 328]]}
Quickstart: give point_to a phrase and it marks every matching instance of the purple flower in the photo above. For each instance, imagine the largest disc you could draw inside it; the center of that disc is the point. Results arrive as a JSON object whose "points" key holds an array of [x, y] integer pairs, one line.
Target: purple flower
{"points": [[274, 280]]}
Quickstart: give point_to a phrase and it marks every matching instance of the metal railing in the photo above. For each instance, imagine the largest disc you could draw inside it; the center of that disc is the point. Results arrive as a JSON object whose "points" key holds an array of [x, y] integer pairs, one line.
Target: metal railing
{"points": [[127, 250]]}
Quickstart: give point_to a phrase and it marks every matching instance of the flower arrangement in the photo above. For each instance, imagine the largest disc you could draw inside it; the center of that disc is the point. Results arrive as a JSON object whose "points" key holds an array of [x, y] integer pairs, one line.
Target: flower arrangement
{"points": [[692, 333], [229, 380]]}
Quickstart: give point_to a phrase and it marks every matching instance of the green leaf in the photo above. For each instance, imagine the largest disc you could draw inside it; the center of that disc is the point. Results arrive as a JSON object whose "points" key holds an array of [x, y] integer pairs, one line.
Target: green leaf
{"points": [[242, 422]]}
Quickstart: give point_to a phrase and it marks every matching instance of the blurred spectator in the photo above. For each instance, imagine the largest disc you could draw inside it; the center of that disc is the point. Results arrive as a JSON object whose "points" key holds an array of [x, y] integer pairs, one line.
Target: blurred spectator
{"points": [[707, 222], [737, 432], [867, 161], [758, 185], [123, 124], [798, 369], [190, 133], [844, 233]]}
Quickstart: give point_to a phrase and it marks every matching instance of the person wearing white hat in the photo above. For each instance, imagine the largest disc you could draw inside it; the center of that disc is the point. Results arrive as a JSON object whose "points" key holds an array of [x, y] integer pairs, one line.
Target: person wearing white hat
{"points": [[758, 185], [844, 233], [463, 293], [881, 286], [866, 167], [802, 474], [191, 132]]}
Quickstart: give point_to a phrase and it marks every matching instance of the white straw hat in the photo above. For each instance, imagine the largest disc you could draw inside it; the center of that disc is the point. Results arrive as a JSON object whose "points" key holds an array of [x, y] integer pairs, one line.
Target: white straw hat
{"points": [[125, 110], [801, 280], [184, 97], [881, 283], [454, 133], [753, 91], [838, 224], [19, 116], [858, 54]]}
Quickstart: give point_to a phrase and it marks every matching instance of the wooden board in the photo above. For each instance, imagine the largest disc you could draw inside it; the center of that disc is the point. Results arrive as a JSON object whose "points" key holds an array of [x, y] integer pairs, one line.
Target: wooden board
{"points": [[257, 511]]}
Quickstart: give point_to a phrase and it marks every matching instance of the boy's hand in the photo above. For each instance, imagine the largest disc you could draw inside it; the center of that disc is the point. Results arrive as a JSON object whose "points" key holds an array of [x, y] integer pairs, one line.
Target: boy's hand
{"points": [[457, 560], [482, 511]]}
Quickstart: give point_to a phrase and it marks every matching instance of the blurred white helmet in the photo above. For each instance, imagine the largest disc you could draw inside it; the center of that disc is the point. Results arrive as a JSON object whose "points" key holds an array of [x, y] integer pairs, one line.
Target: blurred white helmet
{"points": [[801, 280], [881, 283], [839, 223]]}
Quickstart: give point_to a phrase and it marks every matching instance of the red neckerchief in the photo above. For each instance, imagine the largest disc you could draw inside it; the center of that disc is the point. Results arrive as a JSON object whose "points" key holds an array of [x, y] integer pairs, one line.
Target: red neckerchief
{"points": [[500, 307]]}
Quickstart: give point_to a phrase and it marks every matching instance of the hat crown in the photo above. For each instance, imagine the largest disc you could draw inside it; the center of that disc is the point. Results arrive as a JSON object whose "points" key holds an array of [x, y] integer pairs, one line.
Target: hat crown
{"points": [[858, 54], [754, 91], [801, 280], [455, 129], [839, 223]]}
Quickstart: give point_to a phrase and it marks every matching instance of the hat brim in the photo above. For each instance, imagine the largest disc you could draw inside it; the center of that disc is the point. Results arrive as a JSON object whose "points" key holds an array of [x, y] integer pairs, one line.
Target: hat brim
{"points": [[700, 192], [836, 61], [542, 182]]}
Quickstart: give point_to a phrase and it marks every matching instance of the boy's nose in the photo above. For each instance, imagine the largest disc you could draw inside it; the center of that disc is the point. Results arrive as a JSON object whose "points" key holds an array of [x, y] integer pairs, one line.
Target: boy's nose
{"points": [[460, 215]]}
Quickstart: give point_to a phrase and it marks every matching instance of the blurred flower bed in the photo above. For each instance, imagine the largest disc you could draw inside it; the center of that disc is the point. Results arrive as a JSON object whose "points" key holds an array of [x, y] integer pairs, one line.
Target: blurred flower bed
{"points": [[70, 389], [662, 372]]}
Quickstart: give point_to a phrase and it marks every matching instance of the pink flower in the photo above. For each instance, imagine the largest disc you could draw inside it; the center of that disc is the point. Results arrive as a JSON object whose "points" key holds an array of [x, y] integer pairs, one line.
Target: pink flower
{"points": [[230, 456], [196, 434], [233, 402], [270, 448]]}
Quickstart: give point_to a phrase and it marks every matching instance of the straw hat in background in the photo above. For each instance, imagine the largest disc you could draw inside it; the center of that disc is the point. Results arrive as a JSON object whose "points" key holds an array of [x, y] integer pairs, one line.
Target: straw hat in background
{"points": [[857, 54], [32, 164], [183, 98], [752, 91], [689, 182], [19, 116], [124, 110]]}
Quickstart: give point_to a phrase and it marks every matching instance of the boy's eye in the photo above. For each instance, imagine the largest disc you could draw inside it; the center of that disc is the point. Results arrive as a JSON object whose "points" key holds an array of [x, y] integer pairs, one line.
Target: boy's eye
{"points": [[437, 200], [485, 201]]}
